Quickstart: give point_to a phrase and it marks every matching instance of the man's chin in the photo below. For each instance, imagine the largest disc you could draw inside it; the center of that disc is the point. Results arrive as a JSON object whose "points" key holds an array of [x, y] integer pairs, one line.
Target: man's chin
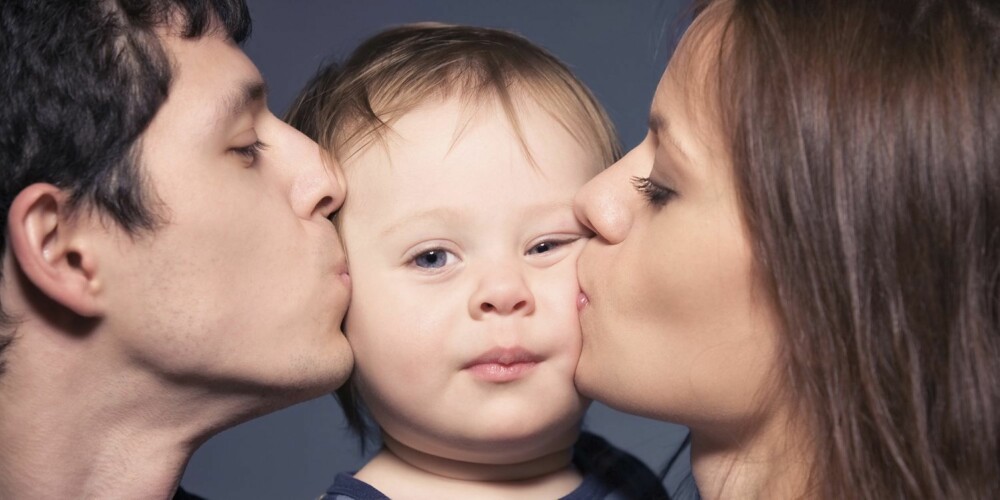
{"points": [[313, 374]]}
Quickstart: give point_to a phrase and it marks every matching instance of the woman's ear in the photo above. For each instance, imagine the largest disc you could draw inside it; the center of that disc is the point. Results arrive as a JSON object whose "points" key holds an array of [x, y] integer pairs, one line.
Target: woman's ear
{"points": [[50, 245]]}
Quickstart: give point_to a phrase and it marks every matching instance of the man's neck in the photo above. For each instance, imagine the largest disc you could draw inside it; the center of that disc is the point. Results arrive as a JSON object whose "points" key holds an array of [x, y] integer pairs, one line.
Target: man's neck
{"points": [[72, 426]]}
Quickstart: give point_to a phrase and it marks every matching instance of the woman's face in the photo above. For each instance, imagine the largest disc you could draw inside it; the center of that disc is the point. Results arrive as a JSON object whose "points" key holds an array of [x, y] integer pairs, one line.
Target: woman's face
{"points": [[675, 325]]}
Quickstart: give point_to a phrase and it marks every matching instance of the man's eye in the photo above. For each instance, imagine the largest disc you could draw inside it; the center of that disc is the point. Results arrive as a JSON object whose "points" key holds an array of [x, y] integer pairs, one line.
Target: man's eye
{"points": [[433, 259], [251, 151]]}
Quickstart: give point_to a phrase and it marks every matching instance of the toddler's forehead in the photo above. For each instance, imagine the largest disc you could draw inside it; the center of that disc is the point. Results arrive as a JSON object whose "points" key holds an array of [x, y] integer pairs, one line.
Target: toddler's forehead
{"points": [[359, 136]]}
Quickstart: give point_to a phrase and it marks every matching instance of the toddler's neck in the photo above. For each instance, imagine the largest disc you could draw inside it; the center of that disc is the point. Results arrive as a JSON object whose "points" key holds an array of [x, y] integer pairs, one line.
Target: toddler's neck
{"points": [[403, 472]]}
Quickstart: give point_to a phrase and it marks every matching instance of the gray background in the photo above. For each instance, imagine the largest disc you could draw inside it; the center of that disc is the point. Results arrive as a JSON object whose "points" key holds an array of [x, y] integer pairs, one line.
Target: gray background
{"points": [[618, 48]]}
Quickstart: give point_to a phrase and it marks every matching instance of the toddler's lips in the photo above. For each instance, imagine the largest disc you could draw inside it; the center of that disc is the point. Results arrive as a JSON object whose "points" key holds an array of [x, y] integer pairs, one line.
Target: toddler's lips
{"points": [[581, 301], [503, 364], [499, 372]]}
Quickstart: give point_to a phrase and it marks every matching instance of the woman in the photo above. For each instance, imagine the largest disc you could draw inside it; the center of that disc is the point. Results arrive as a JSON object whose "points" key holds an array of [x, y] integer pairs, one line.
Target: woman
{"points": [[801, 260]]}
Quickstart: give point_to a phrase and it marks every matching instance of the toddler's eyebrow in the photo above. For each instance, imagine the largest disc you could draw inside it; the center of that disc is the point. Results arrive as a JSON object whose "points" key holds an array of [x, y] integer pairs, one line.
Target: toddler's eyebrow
{"points": [[440, 213], [452, 215]]}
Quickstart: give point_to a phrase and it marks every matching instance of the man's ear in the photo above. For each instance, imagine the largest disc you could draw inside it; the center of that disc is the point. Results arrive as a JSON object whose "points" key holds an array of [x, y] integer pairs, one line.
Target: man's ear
{"points": [[51, 247]]}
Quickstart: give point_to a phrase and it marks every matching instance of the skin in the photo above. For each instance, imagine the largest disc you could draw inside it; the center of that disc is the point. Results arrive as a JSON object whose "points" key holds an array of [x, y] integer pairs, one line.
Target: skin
{"points": [[677, 325], [459, 245], [249, 257], [134, 349]]}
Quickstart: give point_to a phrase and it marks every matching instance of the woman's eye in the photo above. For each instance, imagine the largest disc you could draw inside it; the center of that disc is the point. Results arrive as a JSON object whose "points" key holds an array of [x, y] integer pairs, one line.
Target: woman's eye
{"points": [[251, 151], [654, 193], [433, 259]]}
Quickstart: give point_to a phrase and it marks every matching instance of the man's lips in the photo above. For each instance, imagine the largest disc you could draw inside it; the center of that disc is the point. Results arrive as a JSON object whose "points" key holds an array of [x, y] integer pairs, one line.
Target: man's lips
{"points": [[582, 300], [503, 364]]}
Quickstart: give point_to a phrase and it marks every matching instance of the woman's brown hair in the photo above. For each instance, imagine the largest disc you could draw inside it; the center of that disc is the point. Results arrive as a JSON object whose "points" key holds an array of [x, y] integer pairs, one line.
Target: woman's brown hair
{"points": [[865, 141]]}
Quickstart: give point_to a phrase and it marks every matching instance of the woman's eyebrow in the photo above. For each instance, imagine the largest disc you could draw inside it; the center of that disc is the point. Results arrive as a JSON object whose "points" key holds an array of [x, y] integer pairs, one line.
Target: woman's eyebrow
{"points": [[660, 128], [657, 123]]}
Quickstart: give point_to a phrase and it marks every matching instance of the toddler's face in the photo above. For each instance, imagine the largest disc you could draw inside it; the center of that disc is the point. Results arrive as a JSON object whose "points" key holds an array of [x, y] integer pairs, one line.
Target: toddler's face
{"points": [[463, 260]]}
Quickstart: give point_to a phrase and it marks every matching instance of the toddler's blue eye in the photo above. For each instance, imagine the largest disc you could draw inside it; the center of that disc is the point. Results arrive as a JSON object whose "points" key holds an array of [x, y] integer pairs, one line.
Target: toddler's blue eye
{"points": [[548, 246], [543, 247], [432, 259]]}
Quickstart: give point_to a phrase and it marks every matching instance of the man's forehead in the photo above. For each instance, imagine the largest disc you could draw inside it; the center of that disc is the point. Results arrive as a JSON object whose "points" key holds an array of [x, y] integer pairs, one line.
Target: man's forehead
{"points": [[214, 67], [213, 84]]}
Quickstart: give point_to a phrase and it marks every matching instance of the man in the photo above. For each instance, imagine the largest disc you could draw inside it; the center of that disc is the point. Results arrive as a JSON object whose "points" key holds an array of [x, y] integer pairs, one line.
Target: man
{"points": [[169, 269]]}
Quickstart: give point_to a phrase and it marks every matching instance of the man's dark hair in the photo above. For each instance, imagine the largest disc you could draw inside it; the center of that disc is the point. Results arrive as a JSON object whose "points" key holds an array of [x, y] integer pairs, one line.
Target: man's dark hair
{"points": [[80, 80]]}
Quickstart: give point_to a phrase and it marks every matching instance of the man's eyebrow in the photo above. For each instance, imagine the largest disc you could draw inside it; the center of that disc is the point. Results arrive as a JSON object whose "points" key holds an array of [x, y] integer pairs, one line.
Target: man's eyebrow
{"points": [[249, 92]]}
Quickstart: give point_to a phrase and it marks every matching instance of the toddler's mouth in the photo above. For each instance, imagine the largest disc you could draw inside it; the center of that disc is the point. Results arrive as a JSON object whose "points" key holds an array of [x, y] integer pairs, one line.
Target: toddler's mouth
{"points": [[503, 364]]}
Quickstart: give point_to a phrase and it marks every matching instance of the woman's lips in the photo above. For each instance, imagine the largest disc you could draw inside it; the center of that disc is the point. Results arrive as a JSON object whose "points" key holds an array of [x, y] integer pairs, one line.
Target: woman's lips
{"points": [[581, 301], [502, 364], [342, 272]]}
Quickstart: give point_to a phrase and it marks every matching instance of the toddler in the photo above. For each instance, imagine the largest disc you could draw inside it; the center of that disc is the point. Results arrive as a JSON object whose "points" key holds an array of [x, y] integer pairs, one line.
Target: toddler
{"points": [[463, 149]]}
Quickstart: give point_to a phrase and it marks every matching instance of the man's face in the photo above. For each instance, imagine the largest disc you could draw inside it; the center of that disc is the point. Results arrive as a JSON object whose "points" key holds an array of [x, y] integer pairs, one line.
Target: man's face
{"points": [[245, 285]]}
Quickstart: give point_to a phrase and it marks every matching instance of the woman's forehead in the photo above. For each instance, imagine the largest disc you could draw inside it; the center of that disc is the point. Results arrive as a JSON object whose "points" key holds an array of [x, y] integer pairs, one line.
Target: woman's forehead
{"points": [[698, 53]]}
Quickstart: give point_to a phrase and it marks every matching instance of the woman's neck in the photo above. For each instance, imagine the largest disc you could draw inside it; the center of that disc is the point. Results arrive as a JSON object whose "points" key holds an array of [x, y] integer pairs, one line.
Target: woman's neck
{"points": [[773, 461], [402, 471]]}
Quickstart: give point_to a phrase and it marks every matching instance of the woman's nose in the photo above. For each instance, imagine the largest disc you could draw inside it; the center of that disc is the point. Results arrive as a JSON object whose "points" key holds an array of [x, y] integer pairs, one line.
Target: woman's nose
{"points": [[606, 203]]}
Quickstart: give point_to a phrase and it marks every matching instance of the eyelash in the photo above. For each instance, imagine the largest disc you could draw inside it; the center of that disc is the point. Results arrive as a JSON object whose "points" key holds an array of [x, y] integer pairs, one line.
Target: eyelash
{"points": [[250, 152], [655, 194], [553, 244], [412, 261]]}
